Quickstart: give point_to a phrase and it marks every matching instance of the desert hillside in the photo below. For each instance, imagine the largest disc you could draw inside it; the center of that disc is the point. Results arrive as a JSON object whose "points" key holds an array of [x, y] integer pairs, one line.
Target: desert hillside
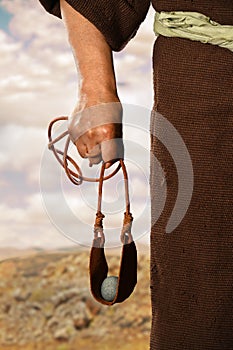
{"points": [[45, 303]]}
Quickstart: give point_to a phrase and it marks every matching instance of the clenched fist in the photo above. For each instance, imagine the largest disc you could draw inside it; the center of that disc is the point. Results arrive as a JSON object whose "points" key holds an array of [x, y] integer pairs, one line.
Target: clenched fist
{"points": [[97, 132]]}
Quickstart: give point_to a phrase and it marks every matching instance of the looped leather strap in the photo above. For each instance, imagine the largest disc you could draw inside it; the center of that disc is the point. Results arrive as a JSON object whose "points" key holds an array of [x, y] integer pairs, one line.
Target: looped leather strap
{"points": [[76, 177], [98, 266]]}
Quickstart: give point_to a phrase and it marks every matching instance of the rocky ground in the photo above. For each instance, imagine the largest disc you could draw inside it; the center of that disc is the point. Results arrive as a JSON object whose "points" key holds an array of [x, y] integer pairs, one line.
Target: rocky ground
{"points": [[45, 303]]}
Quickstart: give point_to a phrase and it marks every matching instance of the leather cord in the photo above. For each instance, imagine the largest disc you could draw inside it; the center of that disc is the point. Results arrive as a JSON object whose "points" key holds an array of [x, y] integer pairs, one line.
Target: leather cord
{"points": [[126, 236], [98, 266], [75, 177]]}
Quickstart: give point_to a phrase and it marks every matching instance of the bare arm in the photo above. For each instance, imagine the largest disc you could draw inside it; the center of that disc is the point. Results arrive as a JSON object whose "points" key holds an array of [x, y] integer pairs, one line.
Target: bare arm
{"points": [[94, 63]]}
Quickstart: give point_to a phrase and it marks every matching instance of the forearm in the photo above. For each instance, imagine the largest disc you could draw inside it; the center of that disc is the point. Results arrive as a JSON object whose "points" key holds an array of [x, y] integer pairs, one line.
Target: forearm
{"points": [[93, 57]]}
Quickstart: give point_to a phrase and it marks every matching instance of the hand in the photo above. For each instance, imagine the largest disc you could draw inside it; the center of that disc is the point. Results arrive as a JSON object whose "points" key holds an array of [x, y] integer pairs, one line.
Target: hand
{"points": [[97, 131]]}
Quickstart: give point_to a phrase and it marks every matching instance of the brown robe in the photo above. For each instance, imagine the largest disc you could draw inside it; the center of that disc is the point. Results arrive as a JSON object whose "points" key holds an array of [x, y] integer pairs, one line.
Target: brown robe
{"points": [[192, 267]]}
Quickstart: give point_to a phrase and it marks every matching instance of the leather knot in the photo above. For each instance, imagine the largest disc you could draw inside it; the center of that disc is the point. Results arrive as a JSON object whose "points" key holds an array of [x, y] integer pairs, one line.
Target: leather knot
{"points": [[126, 236], [98, 228]]}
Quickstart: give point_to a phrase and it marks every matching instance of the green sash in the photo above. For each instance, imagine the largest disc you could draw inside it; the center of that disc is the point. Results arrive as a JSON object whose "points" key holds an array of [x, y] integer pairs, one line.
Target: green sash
{"points": [[193, 26]]}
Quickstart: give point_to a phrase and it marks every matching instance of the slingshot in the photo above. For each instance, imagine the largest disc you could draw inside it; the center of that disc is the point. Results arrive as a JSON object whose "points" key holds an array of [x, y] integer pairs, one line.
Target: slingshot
{"points": [[98, 266]]}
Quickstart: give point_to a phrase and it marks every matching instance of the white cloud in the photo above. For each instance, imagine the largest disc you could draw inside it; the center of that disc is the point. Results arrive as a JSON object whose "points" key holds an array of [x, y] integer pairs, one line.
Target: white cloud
{"points": [[29, 226], [134, 66], [21, 149], [37, 68]]}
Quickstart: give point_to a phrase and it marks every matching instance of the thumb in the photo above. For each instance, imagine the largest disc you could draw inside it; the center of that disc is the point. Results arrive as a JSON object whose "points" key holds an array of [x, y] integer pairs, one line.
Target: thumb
{"points": [[108, 164], [111, 150]]}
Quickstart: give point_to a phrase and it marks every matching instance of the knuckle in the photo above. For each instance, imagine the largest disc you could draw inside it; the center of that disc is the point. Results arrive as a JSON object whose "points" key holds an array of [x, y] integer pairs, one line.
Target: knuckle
{"points": [[108, 131], [90, 133], [80, 151]]}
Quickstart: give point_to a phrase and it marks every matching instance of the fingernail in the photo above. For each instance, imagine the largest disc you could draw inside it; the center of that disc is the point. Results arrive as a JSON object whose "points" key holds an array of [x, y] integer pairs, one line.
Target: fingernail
{"points": [[107, 165]]}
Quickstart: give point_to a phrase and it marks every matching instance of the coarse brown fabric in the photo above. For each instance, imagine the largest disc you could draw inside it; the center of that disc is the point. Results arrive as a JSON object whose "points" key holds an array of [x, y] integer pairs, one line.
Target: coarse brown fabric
{"points": [[218, 10], [191, 267], [117, 20]]}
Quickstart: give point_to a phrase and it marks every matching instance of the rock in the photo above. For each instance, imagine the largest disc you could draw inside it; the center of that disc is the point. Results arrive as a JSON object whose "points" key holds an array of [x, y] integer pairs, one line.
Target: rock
{"points": [[21, 295], [80, 322], [78, 259], [71, 269], [53, 322], [68, 260], [38, 332], [49, 270], [64, 310], [48, 309], [8, 269], [93, 306], [60, 270], [81, 316], [5, 307], [43, 283], [22, 342], [35, 306], [109, 288], [64, 296], [9, 338], [64, 333]]}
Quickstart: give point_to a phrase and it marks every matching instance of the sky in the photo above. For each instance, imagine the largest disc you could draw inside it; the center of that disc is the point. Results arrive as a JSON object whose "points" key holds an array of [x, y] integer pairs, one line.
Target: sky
{"points": [[39, 82]]}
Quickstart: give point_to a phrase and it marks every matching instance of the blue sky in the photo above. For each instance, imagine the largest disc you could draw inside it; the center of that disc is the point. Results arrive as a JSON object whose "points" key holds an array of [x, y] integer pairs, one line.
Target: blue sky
{"points": [[5, 18], [39, 82]]}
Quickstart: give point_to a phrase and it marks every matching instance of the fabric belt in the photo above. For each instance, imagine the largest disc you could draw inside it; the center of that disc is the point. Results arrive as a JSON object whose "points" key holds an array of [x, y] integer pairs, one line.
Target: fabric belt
{"points": [[193, 26]]}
